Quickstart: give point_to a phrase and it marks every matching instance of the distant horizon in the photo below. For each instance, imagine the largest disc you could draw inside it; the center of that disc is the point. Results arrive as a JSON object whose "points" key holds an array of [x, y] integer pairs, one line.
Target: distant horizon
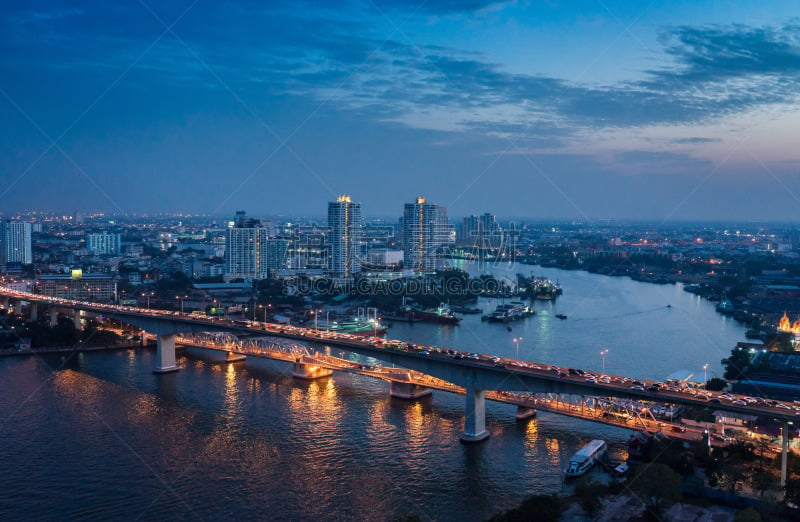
{"points": [[392, 220]]}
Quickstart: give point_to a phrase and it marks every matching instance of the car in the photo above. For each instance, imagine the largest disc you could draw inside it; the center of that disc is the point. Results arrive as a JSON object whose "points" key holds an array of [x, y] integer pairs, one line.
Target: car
{"points": [[740, 402], [536, 367], [499, 365], [591, 380], [678, 429], [715, 400], [459, 356], [638, 383], [653, 388], [637, 387], [563, 374]]}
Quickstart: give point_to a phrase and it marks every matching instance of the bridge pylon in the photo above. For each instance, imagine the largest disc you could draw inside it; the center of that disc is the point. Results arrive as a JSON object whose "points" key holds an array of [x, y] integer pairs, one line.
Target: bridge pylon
{"points": [[475, 416], [302, 370], [165, 354], [408, 390]]}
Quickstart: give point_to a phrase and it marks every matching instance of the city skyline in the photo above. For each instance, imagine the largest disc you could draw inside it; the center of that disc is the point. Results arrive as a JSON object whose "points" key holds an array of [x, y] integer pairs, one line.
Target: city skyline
{"points": [[583, 111]]}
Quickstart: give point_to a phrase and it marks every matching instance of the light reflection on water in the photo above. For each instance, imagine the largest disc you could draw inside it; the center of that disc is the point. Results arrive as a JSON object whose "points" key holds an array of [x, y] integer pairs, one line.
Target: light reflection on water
{"points": [[106, 438]]}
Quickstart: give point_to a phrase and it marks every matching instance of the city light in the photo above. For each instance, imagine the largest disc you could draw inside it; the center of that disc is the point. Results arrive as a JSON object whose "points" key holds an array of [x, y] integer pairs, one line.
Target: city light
{"points": [[603, 354]]}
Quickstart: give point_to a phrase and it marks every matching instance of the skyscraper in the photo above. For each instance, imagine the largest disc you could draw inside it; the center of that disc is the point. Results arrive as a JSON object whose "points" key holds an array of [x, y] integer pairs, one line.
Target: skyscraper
{"points": [[15, 243], [344, 222], [426, 232], [481, 231]]}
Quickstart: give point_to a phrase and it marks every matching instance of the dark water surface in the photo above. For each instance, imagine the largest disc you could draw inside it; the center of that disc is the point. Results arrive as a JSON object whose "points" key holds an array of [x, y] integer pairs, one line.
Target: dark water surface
{"points": [[99, 436]]}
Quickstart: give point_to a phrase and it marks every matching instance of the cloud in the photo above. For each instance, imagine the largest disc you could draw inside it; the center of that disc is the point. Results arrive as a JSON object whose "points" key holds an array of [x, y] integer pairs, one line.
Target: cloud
{"points": [[336, 55], [693, 140]]}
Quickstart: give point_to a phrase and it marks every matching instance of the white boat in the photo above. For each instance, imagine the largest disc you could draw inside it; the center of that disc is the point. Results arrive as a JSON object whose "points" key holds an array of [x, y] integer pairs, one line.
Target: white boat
{"points": [[585, 458]]}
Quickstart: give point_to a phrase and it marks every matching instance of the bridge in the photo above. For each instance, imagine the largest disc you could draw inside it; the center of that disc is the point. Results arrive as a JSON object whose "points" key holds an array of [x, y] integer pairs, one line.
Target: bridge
{"points": [[475, 373]]}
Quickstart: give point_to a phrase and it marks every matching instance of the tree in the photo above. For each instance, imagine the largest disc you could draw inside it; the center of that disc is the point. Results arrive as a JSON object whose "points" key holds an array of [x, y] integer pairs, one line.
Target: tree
{"points": [[658, 487], [716, 384], [782, 342], [762, 481], [542, 508], [589, 493], [737, 363]]}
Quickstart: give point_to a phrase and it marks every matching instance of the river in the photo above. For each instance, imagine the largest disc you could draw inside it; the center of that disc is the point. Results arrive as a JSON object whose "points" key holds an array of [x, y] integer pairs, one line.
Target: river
{"points": [[98, 435]]}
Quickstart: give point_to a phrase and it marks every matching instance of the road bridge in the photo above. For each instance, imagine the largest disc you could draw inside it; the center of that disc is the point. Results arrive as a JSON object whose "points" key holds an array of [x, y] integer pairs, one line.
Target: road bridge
{"points": [[476, 373]]}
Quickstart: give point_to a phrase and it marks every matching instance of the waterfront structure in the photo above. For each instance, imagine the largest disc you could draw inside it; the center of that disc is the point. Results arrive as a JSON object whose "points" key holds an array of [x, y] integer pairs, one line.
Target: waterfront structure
{"points": [[426, 232], [344, 238], [82, 287], [15, 243], [104, 244]]}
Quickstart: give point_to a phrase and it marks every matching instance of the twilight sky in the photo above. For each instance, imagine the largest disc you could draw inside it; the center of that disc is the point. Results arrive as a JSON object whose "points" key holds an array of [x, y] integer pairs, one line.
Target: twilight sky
{"points": [[662, 110]]}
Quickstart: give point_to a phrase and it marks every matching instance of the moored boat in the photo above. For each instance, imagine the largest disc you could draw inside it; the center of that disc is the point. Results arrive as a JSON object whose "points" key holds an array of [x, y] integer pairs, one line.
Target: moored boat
{"points": [[586, 457], [442, 315]]}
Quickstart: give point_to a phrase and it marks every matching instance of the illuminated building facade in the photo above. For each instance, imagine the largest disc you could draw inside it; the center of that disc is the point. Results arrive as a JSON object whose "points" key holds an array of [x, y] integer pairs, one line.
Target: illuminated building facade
{"points": [[344, 238]]}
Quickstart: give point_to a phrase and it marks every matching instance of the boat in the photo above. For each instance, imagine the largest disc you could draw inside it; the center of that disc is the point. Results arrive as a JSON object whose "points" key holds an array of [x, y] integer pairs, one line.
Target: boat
{"points": [[620, 469], [725, 307], [561, 316], [505, 313], [465, 309], [586, 457], [544, 289], [442, 315]]}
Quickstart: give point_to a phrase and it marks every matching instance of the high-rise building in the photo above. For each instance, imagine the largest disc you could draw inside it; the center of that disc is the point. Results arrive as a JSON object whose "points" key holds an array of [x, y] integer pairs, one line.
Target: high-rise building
{"points": [[250, 251], [15, 243], [344, 238], [104, 244], [241, 248], [426, 232], [274, 255], [480, 231]]}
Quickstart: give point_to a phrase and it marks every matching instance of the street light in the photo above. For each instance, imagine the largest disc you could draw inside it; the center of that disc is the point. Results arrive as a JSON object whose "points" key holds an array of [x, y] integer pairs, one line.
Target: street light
{"points": [[516, 344], [705, 372], [603, 354]]}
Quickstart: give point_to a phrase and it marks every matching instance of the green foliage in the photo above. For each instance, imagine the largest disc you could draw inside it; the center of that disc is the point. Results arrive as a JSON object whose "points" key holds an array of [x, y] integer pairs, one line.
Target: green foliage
{"points": [[657, 485], [588, 493], [762, 481], [782, 342], [716, 384], [737, 363], [541, 508]]}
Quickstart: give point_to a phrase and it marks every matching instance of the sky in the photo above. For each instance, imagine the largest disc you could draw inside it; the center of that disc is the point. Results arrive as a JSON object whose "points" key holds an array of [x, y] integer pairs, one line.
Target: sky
{"points": [[585, 110]]}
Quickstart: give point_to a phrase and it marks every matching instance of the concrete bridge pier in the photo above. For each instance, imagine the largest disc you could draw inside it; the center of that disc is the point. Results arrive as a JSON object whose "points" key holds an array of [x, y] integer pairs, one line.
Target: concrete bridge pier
{"points": [[165, 354], [76, 319], [53, 316], [34, 312], [524, 413], [5, 302], [408, 390], [301, 370], [475, 416]]}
